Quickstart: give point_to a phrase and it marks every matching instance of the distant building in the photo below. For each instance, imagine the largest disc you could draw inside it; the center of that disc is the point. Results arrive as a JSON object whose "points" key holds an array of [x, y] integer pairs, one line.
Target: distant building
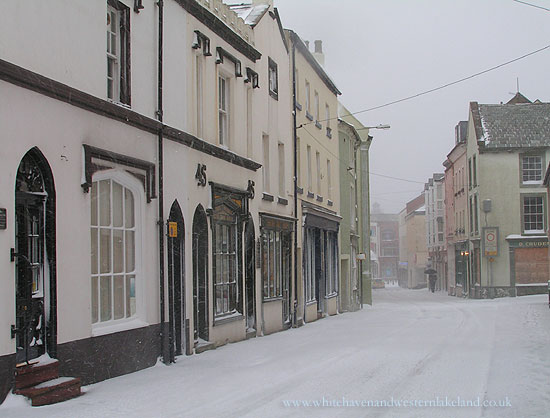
{"points": [[412, 232], [434, 192], [456, 211], [385, 246]]}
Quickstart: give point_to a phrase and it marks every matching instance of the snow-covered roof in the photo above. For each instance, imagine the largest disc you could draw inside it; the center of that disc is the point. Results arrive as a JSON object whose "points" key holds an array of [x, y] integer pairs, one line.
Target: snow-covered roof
{"points": [[250, 13], [512, 125]]}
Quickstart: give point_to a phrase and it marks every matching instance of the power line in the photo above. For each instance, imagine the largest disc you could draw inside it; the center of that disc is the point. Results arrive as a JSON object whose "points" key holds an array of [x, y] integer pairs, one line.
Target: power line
{"points": [[532, 5], [452, 83], [397, 178], [370, 172]]}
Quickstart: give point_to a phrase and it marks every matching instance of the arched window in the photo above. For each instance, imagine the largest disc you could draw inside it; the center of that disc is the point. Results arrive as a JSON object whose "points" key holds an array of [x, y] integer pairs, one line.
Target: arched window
{"points": [[115, 233]]}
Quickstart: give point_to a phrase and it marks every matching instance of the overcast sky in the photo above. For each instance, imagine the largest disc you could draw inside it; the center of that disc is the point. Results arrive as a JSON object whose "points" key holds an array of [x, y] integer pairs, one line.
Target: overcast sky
{"points": [[378, 51]]}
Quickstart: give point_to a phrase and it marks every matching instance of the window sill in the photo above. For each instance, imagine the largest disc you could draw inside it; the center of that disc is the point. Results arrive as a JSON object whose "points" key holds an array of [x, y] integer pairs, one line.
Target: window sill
{"points": [[300, 190], [237, 316], [527, 184], [331, 296], [309, 116], [282, 201], [274, 94], [311, 302], [330, 202], [319, 198], [298, 106], [309, 194], [99, 329], [267, 197], [318, 125], [274, 299]]}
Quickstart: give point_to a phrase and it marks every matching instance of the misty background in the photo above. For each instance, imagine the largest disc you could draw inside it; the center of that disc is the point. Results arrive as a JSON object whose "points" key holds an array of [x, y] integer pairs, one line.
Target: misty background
{"points": [[379, 51]]}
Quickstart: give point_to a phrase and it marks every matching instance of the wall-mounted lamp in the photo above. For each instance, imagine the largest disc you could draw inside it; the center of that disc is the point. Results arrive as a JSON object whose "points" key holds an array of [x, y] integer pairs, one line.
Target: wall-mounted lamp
{"points": [[138, 5]]}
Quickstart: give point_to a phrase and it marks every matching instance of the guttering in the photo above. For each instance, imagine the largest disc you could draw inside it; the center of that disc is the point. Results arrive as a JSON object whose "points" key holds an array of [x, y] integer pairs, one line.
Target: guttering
{"points": [[160, 222]]}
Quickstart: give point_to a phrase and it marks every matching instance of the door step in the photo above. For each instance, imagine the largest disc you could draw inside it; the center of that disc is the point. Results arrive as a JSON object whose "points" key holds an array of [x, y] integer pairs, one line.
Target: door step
{"points": [[40, 382], [204, 346], [250, 333]]}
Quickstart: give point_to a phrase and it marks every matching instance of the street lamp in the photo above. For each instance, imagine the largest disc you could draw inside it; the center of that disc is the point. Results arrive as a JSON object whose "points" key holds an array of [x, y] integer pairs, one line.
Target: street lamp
{"points": [[381, 126]]}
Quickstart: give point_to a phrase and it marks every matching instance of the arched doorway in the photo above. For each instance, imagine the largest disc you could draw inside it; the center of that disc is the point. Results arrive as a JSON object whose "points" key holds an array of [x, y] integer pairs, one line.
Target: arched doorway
{"points": [[200, 275], [250, 276], [35, 259], [176, 282]]}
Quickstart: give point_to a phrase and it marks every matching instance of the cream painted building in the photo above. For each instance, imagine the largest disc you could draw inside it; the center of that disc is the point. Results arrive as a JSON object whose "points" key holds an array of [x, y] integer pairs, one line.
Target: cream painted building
{"points": [[270, 141], [131, 188], [317, 181]]}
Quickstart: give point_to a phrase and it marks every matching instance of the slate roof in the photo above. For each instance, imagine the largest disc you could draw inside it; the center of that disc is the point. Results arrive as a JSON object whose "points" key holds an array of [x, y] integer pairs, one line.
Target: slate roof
{"points": [[506, 126]]}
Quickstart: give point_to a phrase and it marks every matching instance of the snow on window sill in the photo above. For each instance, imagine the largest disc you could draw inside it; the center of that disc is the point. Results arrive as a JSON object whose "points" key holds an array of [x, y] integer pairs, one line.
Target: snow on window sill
{"points": [[531, 284], [236, 316], [111, 328], [532, 183]]}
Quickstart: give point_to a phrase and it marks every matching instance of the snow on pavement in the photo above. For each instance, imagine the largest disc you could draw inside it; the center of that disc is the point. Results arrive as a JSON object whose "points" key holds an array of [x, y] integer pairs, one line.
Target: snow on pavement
{"points": [[410, 346]]}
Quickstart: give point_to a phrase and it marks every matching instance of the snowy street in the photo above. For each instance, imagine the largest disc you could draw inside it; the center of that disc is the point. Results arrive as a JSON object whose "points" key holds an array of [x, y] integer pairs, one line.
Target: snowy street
{"points": [[410, 346]]}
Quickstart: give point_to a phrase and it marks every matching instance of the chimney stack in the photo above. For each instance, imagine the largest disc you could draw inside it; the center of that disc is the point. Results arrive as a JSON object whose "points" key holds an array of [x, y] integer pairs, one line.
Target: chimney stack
{"points": [[318, 53]]}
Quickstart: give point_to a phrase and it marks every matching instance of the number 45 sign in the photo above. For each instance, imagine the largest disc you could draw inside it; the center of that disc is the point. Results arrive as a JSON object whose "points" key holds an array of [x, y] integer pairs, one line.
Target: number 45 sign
{"points": [[490, 241]]}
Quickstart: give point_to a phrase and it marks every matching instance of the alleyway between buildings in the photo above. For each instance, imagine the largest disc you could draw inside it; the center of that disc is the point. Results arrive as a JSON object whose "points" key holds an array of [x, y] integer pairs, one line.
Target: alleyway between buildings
{"points": [[410, 346]]}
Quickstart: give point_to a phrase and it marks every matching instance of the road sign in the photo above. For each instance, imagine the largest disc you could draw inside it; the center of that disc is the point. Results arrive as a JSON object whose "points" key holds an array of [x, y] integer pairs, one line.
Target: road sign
{"points": [[490, 241]]}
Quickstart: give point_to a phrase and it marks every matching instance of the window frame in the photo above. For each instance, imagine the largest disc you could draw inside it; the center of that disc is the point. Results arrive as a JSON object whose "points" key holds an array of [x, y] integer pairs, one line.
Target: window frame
{"points": [[531, 183], [224, 136], [273, 78], [127, 181], [231, 282], [543, 198], [121, 92]]}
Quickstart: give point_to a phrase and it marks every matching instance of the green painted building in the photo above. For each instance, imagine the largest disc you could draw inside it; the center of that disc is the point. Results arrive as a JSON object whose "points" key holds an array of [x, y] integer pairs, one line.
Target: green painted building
{"points": [[355, 280]]}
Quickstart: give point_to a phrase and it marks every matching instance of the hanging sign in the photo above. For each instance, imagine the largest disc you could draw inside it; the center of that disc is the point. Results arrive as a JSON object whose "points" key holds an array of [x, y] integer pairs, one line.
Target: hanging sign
{"points": [[173, 229]]}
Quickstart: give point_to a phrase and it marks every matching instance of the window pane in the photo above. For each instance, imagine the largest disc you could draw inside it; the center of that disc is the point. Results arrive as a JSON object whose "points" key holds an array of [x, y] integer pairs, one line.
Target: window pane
{"points": [[105, 202], [93, 203], [225, 298], [130, 251], [117, 205], [105, 298], [219, 300], [94, 300], [105, 250], [94, 255], [118, 290], [129, 208], [130, 296], [118, 251]]}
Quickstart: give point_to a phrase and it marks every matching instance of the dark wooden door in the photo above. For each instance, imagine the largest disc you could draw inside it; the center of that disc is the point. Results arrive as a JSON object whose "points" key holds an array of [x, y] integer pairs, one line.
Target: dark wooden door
{"points": [[29, 277]]}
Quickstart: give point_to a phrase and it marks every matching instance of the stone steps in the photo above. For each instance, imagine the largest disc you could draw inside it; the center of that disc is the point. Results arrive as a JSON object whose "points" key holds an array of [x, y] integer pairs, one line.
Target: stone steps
{"points": [[41, 383]]}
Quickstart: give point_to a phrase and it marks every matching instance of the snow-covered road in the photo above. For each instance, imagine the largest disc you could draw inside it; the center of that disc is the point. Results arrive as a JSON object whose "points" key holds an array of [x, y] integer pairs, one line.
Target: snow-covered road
{"points": [[411, 346]]}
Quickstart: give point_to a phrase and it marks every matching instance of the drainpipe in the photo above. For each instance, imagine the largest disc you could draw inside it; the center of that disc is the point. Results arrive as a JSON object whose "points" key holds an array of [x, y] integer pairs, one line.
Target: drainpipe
{"points": [[160, 5], [295, 319]]}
